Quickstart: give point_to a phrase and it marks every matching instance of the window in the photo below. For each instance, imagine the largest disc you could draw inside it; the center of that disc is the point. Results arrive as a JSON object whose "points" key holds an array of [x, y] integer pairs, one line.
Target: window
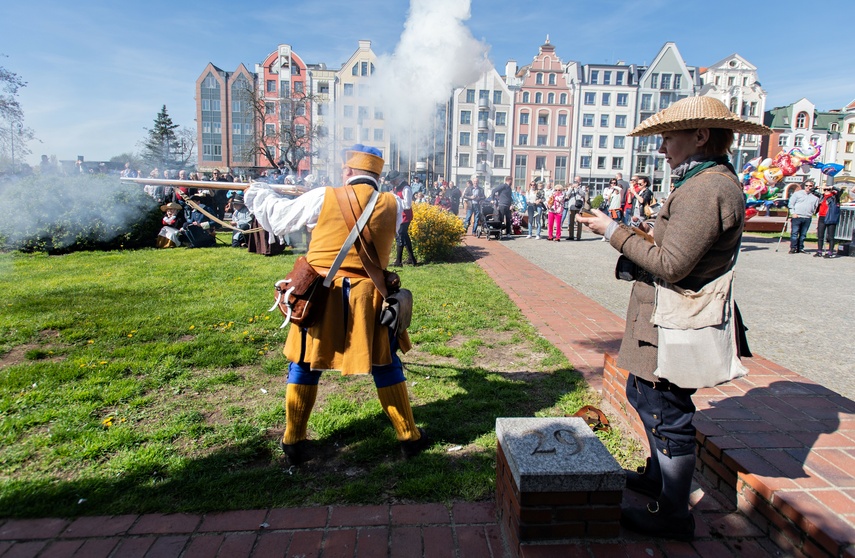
{"points": [[585, 161], [654, 81], [378, 114], [470, 95], [520, 171], [665, 101], [466, 117], [851, 128], [269, 130], [647, 102], [300, 110], [501, 119], [562, 119], [560, 169], [552, 79], [482, 138], [619, 78], [619, 142], [210, 82], [604, 120], [798, 141], [206, 127], [271, 86], [538, 97], [601, 162], [499, 140], [362, 113], [215, 105], [463, 159], [541, 139], [465, 138], [540, 162], [563, 99], [538, 79], [801, 120], [620, 121], [847, 165], [300, 131], [783, 140], [603, 142], [595, 77], [524, 118], [269, 108], [206, 104], [550, 99], [348, 111], [498, 161], [850, 147], [542, 119], [298, 87], [484, 94], [666, 81], [355, 70], [285, 88], [236, 106], [587, 120], [641, 165], [218, 127], [617, 163], [590, 98], [587, 141], [677, 78], [752, 108], [525, 97], [348, 90], [561, 141], [607, 78], [607, 99], [364, 89], [523, 139], [622, 99], [363, 68], [731, 81]]}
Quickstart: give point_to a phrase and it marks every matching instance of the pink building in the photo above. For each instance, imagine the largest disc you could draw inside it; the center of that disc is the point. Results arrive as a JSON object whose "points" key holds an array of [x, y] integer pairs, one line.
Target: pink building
{"points": [[542, 125]]}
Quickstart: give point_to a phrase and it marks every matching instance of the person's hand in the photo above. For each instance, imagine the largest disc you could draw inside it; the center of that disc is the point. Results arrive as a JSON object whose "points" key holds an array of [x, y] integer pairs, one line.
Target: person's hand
{"points": [[597, 221]]}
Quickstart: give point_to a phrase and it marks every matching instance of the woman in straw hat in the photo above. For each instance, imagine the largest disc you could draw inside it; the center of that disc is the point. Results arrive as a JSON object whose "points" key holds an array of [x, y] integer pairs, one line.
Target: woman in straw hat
{"points": [[697, 234], [173, 220]]}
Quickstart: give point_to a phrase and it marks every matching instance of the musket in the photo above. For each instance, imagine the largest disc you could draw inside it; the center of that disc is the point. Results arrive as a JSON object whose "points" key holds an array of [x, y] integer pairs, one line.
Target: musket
{"points": [[288, 189]]}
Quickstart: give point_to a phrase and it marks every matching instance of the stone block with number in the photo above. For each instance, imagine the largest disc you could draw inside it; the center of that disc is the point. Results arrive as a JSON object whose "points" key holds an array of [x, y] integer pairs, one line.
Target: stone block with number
{"points": [[555, 480]]}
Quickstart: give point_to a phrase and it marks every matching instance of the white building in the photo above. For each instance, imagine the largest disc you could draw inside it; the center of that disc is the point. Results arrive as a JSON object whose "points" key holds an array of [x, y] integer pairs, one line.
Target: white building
{"points": [[605, 104], [733, 81], [482, 130], [666, 80]]}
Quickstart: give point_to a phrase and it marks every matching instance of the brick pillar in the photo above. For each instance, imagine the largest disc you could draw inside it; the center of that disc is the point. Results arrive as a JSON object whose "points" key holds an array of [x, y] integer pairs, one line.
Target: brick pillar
{"points": [[555, 480]]}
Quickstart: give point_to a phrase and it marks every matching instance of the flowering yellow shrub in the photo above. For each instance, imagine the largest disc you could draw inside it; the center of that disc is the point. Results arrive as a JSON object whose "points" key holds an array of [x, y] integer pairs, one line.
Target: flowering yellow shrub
{"points": [[435, 232]]}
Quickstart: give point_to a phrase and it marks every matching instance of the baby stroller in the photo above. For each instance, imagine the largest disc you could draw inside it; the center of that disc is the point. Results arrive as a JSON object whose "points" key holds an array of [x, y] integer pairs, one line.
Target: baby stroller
{"points": [[487, 223]]}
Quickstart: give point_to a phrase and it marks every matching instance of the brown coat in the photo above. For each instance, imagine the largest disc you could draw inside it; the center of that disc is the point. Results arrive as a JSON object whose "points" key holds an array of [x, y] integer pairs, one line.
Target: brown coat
{"points": [[697, 233]]}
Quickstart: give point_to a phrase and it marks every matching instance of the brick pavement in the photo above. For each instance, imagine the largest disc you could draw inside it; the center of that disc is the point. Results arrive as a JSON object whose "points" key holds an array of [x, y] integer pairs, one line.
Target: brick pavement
{"points": [[587, 332]]}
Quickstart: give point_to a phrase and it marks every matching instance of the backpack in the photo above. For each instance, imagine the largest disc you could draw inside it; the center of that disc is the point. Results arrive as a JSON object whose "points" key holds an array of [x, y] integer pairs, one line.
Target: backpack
{"points": [[832, 216]]}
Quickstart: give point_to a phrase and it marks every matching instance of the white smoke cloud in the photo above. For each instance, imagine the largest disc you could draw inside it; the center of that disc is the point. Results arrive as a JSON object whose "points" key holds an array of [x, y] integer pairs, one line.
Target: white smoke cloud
{"points": [[436, 54]]}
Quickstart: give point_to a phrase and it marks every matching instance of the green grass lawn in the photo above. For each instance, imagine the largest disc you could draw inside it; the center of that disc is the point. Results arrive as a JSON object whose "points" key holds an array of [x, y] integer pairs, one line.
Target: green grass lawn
{"points": [[153, 381]]}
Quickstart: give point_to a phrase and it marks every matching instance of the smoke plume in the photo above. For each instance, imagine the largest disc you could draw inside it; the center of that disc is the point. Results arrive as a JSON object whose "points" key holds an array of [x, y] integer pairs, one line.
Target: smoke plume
{"points": [[57, 213], [436, 54]]}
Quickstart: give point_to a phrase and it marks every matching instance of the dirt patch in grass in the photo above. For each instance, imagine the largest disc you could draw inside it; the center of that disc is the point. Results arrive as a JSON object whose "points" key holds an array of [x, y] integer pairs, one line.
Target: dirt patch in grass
{"points": [[45, 349]]}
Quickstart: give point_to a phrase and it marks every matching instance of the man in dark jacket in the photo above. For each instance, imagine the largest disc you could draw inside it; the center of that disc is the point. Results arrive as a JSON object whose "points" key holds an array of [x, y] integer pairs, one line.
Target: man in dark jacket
{"points": [[504, 198]]}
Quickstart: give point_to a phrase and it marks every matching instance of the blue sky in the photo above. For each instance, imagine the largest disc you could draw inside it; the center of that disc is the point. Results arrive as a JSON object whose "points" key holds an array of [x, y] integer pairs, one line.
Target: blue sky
{"points": [[98, 72]]}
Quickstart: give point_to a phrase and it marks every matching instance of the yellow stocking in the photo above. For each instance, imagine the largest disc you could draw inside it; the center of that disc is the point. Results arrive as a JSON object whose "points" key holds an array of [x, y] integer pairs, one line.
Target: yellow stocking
{"points": [[396, 404], [299, 400]]}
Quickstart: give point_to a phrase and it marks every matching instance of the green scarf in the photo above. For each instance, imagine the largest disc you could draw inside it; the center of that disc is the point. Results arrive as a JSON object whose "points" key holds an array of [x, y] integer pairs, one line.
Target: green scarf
{"points": [[691, 168]]}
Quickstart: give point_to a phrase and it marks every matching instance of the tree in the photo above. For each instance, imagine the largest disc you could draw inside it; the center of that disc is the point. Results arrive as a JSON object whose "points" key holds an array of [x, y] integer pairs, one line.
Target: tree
{"points": [[162, 148], [14, 136], [283, 134]]}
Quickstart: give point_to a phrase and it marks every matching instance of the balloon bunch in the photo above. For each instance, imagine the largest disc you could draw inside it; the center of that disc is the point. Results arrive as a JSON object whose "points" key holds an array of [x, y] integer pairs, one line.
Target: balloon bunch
{"points": [[760, 177]]}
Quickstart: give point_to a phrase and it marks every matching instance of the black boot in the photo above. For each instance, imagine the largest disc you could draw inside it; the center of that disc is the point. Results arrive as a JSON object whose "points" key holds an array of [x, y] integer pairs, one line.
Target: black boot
{"points": [[646, 480], [298, 453], [412, 449], [412, 258], [669, 517], [398, 256]]}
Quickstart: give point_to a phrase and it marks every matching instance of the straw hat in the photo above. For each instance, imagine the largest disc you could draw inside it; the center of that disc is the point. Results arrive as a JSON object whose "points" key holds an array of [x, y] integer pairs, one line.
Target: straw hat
{"points": [[363, 157], [171, 205], [697, 112]]}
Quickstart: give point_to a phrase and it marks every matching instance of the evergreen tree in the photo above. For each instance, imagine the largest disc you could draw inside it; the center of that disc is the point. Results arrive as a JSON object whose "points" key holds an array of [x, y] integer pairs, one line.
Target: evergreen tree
{"points": [[161, 148]]}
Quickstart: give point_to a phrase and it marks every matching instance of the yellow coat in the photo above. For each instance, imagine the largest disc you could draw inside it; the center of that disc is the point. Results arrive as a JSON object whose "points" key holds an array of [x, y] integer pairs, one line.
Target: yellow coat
{"points": [[348, 336]]}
